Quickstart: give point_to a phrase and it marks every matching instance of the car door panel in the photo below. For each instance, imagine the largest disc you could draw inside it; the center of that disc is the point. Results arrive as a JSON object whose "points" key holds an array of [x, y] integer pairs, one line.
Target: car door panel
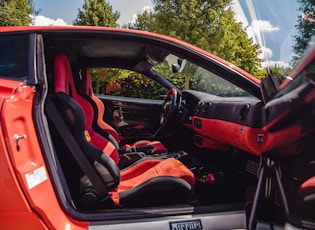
{"points": [[132, 117], [32, 185]]}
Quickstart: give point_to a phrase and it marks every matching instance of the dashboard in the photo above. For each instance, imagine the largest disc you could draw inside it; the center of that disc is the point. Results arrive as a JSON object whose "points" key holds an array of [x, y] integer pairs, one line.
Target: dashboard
{"points": [[221, 122], [246, 123]]}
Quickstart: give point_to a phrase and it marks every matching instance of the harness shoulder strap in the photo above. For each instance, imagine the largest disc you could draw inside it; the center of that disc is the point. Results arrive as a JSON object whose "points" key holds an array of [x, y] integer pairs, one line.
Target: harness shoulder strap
{"points": [[53, 114]]}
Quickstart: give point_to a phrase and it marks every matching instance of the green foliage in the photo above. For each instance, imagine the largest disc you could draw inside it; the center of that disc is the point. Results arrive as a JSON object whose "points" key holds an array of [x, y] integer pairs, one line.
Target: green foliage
{"points": [[125, 83], [210, 25], [16, 13], [139, 87], [97, 13], [305, 29], [164, 69], [103, 75], [281, 73]]}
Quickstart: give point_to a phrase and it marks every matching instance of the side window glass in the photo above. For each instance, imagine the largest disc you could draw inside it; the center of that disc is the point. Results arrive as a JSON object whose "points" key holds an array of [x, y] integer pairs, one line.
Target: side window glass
{"points": [[14, 56], [125, 83]]}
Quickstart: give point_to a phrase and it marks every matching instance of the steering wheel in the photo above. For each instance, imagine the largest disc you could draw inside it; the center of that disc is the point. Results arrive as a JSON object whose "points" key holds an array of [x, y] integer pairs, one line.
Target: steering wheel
{"points": [[169, 106]]}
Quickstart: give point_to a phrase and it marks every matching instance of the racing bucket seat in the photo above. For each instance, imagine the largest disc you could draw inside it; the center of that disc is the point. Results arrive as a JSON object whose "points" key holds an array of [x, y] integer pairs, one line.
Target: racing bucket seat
{"points": [[150, 181]]}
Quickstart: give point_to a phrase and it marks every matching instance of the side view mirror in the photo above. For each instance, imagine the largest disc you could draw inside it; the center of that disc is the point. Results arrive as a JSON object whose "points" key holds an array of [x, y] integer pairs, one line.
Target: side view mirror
{"points": [[269, 87]]}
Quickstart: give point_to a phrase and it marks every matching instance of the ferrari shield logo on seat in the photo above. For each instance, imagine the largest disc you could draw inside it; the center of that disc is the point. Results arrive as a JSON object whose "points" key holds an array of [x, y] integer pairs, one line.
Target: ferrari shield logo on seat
{"points": [[87, 136]]}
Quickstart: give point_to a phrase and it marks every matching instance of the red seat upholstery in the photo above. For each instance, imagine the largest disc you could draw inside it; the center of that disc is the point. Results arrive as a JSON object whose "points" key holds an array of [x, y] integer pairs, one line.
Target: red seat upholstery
{"points": [[63, 82], [86, 89], [307, 189], [150, 181], [306, 198], [168, 180]]}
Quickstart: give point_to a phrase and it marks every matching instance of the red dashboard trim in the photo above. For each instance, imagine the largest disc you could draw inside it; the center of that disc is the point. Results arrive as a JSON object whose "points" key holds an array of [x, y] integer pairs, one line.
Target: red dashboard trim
{"points": [[232, 134]]}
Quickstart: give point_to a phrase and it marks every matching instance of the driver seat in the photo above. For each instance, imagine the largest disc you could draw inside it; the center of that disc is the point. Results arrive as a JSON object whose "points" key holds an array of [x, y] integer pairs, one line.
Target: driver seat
{"points": [[100, 126]]}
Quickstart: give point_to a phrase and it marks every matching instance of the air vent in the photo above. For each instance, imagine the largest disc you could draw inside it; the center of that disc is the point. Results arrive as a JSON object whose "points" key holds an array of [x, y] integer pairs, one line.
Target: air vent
{"points": [[197, 123], [244, 111], [199, 107], [206, 107]]}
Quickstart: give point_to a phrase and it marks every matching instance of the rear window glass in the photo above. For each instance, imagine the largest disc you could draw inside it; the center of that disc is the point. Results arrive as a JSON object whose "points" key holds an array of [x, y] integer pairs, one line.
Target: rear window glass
{"points": [[14, 56]]}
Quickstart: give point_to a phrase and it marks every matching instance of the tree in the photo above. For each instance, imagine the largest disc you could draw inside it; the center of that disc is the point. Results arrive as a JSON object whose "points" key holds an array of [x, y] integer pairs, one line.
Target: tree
{"points": [[17, 13], [305, 27], [210, 25], [97, 13], [281, 73]]}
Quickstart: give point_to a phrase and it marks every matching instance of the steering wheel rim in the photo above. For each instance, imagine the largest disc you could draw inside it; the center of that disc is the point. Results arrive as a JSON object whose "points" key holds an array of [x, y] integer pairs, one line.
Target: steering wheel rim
{"points": [[169, 106]]}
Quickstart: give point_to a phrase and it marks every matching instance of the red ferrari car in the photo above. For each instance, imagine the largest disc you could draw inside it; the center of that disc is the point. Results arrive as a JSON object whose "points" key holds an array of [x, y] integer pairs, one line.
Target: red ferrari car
{"points": [[114, 128]]}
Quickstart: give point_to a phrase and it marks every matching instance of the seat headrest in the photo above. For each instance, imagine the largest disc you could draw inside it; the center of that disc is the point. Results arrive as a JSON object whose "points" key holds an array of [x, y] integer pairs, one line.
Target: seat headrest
{"points": [[63, 78], [86, 84]]}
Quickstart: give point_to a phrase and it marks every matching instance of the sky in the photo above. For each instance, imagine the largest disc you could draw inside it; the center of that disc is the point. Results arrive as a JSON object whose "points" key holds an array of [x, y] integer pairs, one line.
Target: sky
{"points": [[274, 19], [67, 10]]}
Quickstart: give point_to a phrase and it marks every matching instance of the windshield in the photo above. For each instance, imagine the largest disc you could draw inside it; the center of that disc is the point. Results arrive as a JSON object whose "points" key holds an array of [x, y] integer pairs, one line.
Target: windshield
{"points": [[284, 31], [274, 27], [282, 36], [305, 76], [188, 76]]}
